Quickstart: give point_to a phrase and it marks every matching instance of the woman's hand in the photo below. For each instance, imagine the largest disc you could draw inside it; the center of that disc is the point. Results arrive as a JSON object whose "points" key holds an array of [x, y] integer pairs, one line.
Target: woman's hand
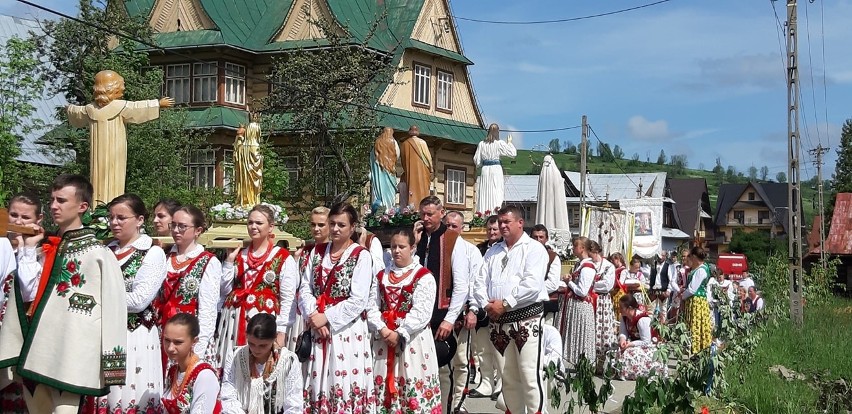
{"points": [[324, 332], [317, 320], [623, 344], [232, 255]]}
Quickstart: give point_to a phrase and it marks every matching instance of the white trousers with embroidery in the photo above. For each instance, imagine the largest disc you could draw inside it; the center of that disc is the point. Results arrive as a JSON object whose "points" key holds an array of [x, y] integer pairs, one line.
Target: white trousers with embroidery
{"points": [[523, 382]]}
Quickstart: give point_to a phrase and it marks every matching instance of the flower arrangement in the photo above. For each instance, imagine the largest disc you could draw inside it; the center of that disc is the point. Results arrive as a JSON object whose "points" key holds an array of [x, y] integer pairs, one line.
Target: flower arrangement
{"points": [[392, 217], [479, 218], [226, 211]]}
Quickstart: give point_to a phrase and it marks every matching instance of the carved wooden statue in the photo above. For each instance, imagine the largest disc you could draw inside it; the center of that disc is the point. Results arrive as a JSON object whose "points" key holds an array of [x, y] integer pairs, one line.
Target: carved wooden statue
{"points": [[248, 165]]}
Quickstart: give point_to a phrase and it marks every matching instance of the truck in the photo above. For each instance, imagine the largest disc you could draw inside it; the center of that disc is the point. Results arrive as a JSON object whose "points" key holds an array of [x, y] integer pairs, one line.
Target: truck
{"points": [[734, 265]]}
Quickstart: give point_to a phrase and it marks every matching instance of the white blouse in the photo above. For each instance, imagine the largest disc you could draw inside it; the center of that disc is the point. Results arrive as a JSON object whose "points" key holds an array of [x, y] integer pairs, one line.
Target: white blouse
{"points": [[584, 283], [343, 313], [422, 301], [288, 282], [150, 276], [30, 262], [644, 328], [7, 266], [208, 297], [205, 392], [292, 387], [607, 271]]}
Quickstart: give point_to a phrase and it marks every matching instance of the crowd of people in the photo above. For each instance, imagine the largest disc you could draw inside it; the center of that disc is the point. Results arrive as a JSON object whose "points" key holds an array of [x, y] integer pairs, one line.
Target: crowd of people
{"points": [[340, 325]]}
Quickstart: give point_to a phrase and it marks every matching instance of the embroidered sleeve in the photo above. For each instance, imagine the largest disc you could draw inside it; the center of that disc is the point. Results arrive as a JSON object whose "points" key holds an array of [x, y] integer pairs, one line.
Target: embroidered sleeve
{"points": [[149, 278], [208, 299], [422, 302], [644, 328], [346, 311], [288, 283], [293, 385], [29, 272], [113, 364], [374, 307], [230, 399], [205, 391]]}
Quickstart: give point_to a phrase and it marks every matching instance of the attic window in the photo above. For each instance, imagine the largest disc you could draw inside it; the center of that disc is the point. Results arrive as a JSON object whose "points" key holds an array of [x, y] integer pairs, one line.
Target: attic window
{"points": [[750, 196], [178, 25]]}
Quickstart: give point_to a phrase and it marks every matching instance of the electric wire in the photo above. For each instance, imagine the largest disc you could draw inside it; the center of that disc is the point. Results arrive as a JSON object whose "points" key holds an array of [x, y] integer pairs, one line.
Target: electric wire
{"points": [[824, 69], [811, 72], [615, 161], [280, 84], [569, 19]]}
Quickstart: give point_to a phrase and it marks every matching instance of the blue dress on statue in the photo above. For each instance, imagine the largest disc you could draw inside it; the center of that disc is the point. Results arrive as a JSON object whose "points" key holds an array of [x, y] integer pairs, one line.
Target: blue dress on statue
{"points": [[382, 185]]}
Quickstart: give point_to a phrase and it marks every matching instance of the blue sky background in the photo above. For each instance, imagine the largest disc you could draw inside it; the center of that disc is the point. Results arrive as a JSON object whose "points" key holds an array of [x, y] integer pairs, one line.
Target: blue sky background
{"points": [[700, 78]]}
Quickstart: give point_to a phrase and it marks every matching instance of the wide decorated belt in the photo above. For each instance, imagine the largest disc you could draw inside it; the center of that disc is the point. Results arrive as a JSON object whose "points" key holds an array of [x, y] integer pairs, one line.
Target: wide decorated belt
{"points": [[536, 309]]}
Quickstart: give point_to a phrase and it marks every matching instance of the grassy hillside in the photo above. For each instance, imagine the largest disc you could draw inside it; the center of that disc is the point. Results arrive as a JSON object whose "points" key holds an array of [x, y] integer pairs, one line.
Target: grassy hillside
{"points": [[529, 162]]}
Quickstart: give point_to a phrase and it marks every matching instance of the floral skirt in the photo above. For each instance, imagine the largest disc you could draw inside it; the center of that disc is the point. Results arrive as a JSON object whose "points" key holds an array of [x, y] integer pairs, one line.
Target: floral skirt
{"points": [[12, 399], [579, 331], [415, 370], [637, 361], [604, 324], [697, 317], [144, 378]]}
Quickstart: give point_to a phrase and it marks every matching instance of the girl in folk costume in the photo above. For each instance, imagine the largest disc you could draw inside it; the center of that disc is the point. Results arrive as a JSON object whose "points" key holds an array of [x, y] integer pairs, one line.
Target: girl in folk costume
{"points": [[264, 278], [192, 386], [262, 378], [192, 280], [163, 212], [24, 210], [633, 279], [144, 268], [319, 231], [604, 313], [333, 295], [693, 297], [618, 290], [578, 321], [636, 343], [406, 367]]}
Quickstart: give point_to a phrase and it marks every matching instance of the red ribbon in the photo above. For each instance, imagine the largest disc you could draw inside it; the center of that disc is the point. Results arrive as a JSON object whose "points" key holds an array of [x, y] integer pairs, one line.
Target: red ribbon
{"points": [[49, 249], [390, 380]]}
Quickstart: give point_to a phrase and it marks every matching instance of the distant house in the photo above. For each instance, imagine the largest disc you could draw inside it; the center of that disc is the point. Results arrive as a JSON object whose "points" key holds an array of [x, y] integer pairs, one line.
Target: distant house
{"points": [[237, 41], [750, 207], [838, 241], [45, 105], [692, 207]]}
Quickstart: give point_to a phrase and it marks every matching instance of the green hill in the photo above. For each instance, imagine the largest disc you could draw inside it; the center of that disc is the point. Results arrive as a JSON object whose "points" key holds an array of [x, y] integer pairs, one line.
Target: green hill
{"points": [[529, 162]]}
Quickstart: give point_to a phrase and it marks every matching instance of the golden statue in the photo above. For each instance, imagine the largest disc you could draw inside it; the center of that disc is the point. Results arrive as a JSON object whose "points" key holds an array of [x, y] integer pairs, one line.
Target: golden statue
{"points": [[248, 164], [106, 118]]}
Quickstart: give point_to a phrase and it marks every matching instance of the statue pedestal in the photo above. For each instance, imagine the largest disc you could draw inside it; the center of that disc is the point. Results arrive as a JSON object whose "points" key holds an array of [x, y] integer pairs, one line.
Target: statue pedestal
{"points": [[230, 234], [475, 235]]}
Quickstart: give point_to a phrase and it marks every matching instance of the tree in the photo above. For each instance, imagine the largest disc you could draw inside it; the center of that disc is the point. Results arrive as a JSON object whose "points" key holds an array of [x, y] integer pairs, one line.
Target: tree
{"points": [[618, 152], [661, 159], [157, 152], [841, 180], [731, 174], [328, 110], [634, 160], [752, 173], [554, 146], [605, 153], [781, 177], [764, 173], [19, 83], [679, 160], [568, 147], [756, 245], [701, 166]]}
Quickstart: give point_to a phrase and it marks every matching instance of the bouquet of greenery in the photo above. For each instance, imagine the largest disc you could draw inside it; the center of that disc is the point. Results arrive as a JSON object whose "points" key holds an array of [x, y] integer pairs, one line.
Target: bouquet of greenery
{"points": [[392, 217]]}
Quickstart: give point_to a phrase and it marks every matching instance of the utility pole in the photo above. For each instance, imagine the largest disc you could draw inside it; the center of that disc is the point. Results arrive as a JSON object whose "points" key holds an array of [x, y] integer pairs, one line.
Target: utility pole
{"points": [[794, 196], [817, 153], [584, 152]]}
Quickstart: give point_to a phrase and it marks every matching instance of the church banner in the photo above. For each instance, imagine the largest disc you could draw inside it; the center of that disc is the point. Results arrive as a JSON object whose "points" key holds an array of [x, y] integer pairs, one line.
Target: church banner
{"points": [[648, 227]]}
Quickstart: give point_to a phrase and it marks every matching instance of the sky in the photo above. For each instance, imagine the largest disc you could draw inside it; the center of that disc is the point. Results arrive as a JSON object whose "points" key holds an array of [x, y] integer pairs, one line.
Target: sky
{"points": [[704, 79]]}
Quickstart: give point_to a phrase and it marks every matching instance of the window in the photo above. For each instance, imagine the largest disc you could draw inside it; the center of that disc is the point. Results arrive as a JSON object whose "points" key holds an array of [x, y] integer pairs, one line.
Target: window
{"points": [[235, 84], [291, 165], [422, 79], [763, 217], [739, 216], [326, 178], [444, 93], [202, 168], [454, 189], [750, 196], [204, 82], [228, 172], [177, 82]]}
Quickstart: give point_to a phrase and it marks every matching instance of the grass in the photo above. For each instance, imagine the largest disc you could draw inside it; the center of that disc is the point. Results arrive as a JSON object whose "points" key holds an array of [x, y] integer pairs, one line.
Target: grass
{"points": [[820, 346], [529, 162]]}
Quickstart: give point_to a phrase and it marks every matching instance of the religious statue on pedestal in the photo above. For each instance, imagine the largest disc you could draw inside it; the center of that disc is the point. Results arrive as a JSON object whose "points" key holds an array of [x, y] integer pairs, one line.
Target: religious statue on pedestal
{"points": [[383, 180], [490, 193], [106, 118], [248, 164], [417, 169]]}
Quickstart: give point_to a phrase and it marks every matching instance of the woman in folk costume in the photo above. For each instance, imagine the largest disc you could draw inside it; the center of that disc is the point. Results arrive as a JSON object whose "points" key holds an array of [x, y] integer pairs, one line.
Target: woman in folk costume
{"points": [[604, 313], [637, 343], [406, 367], [262, 378], [24, 210], [144, 268], [618, 290], [333, 295], [696, 310], [163, 212], [193, 277], [578, 306], [192, 386], [319, 231], [264, 280]]}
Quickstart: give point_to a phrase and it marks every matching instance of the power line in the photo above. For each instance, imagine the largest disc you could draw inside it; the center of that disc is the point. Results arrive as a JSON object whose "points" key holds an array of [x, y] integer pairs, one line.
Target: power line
{"points": [[824, 88], [570, 19], [280, 84], [811, 70], [615, 161]]}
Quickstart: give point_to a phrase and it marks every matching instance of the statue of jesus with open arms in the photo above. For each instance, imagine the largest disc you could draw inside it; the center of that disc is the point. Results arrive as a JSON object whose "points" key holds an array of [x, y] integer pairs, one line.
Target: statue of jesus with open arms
{"points": [[106, 118]]}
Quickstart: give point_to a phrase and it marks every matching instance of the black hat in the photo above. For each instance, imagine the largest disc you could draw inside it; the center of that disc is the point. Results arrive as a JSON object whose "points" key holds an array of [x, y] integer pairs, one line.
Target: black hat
{"points": [[445, 350]]}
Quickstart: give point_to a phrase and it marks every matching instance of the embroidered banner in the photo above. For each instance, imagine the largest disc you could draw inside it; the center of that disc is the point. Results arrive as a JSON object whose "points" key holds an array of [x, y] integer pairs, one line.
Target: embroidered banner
{"points": [[648, 224]]}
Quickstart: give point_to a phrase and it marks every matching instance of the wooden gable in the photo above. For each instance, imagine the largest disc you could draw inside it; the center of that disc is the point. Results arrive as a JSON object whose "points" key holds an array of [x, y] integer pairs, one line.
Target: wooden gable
{"points": [[179, 16], [298, 23], [435, 26]]}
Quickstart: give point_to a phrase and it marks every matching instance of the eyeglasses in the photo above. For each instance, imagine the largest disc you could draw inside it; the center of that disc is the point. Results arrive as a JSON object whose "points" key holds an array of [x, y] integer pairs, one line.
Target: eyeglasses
{"points": [[179, 227]]}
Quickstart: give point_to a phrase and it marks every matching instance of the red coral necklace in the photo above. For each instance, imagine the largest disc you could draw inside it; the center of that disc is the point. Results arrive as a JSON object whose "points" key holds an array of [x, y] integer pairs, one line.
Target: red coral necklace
{"points": [[254, 262]]}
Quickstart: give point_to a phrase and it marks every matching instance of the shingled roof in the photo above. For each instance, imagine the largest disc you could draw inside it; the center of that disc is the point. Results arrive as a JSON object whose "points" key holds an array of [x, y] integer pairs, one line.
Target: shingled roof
{"points": [[773, 195], [689, 194]]}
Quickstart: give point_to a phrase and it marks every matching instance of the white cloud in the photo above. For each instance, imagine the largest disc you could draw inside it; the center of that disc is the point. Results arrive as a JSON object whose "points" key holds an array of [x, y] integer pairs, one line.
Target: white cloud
{"points": [[641, 128], [534, 68]]}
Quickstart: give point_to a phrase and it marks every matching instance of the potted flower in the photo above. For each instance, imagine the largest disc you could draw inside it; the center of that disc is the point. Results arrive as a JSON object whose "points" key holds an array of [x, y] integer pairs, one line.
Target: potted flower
{"points": [[383, 221], [226, 213]]}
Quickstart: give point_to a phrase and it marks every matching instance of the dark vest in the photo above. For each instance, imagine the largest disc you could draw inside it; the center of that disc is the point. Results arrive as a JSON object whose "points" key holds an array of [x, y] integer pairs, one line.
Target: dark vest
{"points": [[664, 275], [435, 253]]}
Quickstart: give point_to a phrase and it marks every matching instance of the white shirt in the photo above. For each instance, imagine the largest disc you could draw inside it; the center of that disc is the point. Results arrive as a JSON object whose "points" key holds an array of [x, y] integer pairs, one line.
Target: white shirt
{"points": [[7, 265], [629, 278], [422, 302], [607, 271], [644, 328], [293, 384], [697, 279], [343, 313], [205, 392], [514, 274], [461, 279], [584, 283], [30, 262], [150, 276], [474, 263], [378, 255], [746, 283], [553, 281], [551, 345], [208, 297], [288, 282]]}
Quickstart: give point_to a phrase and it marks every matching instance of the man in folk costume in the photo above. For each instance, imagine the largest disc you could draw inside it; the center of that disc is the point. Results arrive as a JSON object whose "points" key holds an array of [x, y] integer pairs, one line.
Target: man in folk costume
{"points": [[678, 274], [441, 252], [70, 341], [553, 281], [511, 289], [465, 330], [485, 354], [663, 275]]}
